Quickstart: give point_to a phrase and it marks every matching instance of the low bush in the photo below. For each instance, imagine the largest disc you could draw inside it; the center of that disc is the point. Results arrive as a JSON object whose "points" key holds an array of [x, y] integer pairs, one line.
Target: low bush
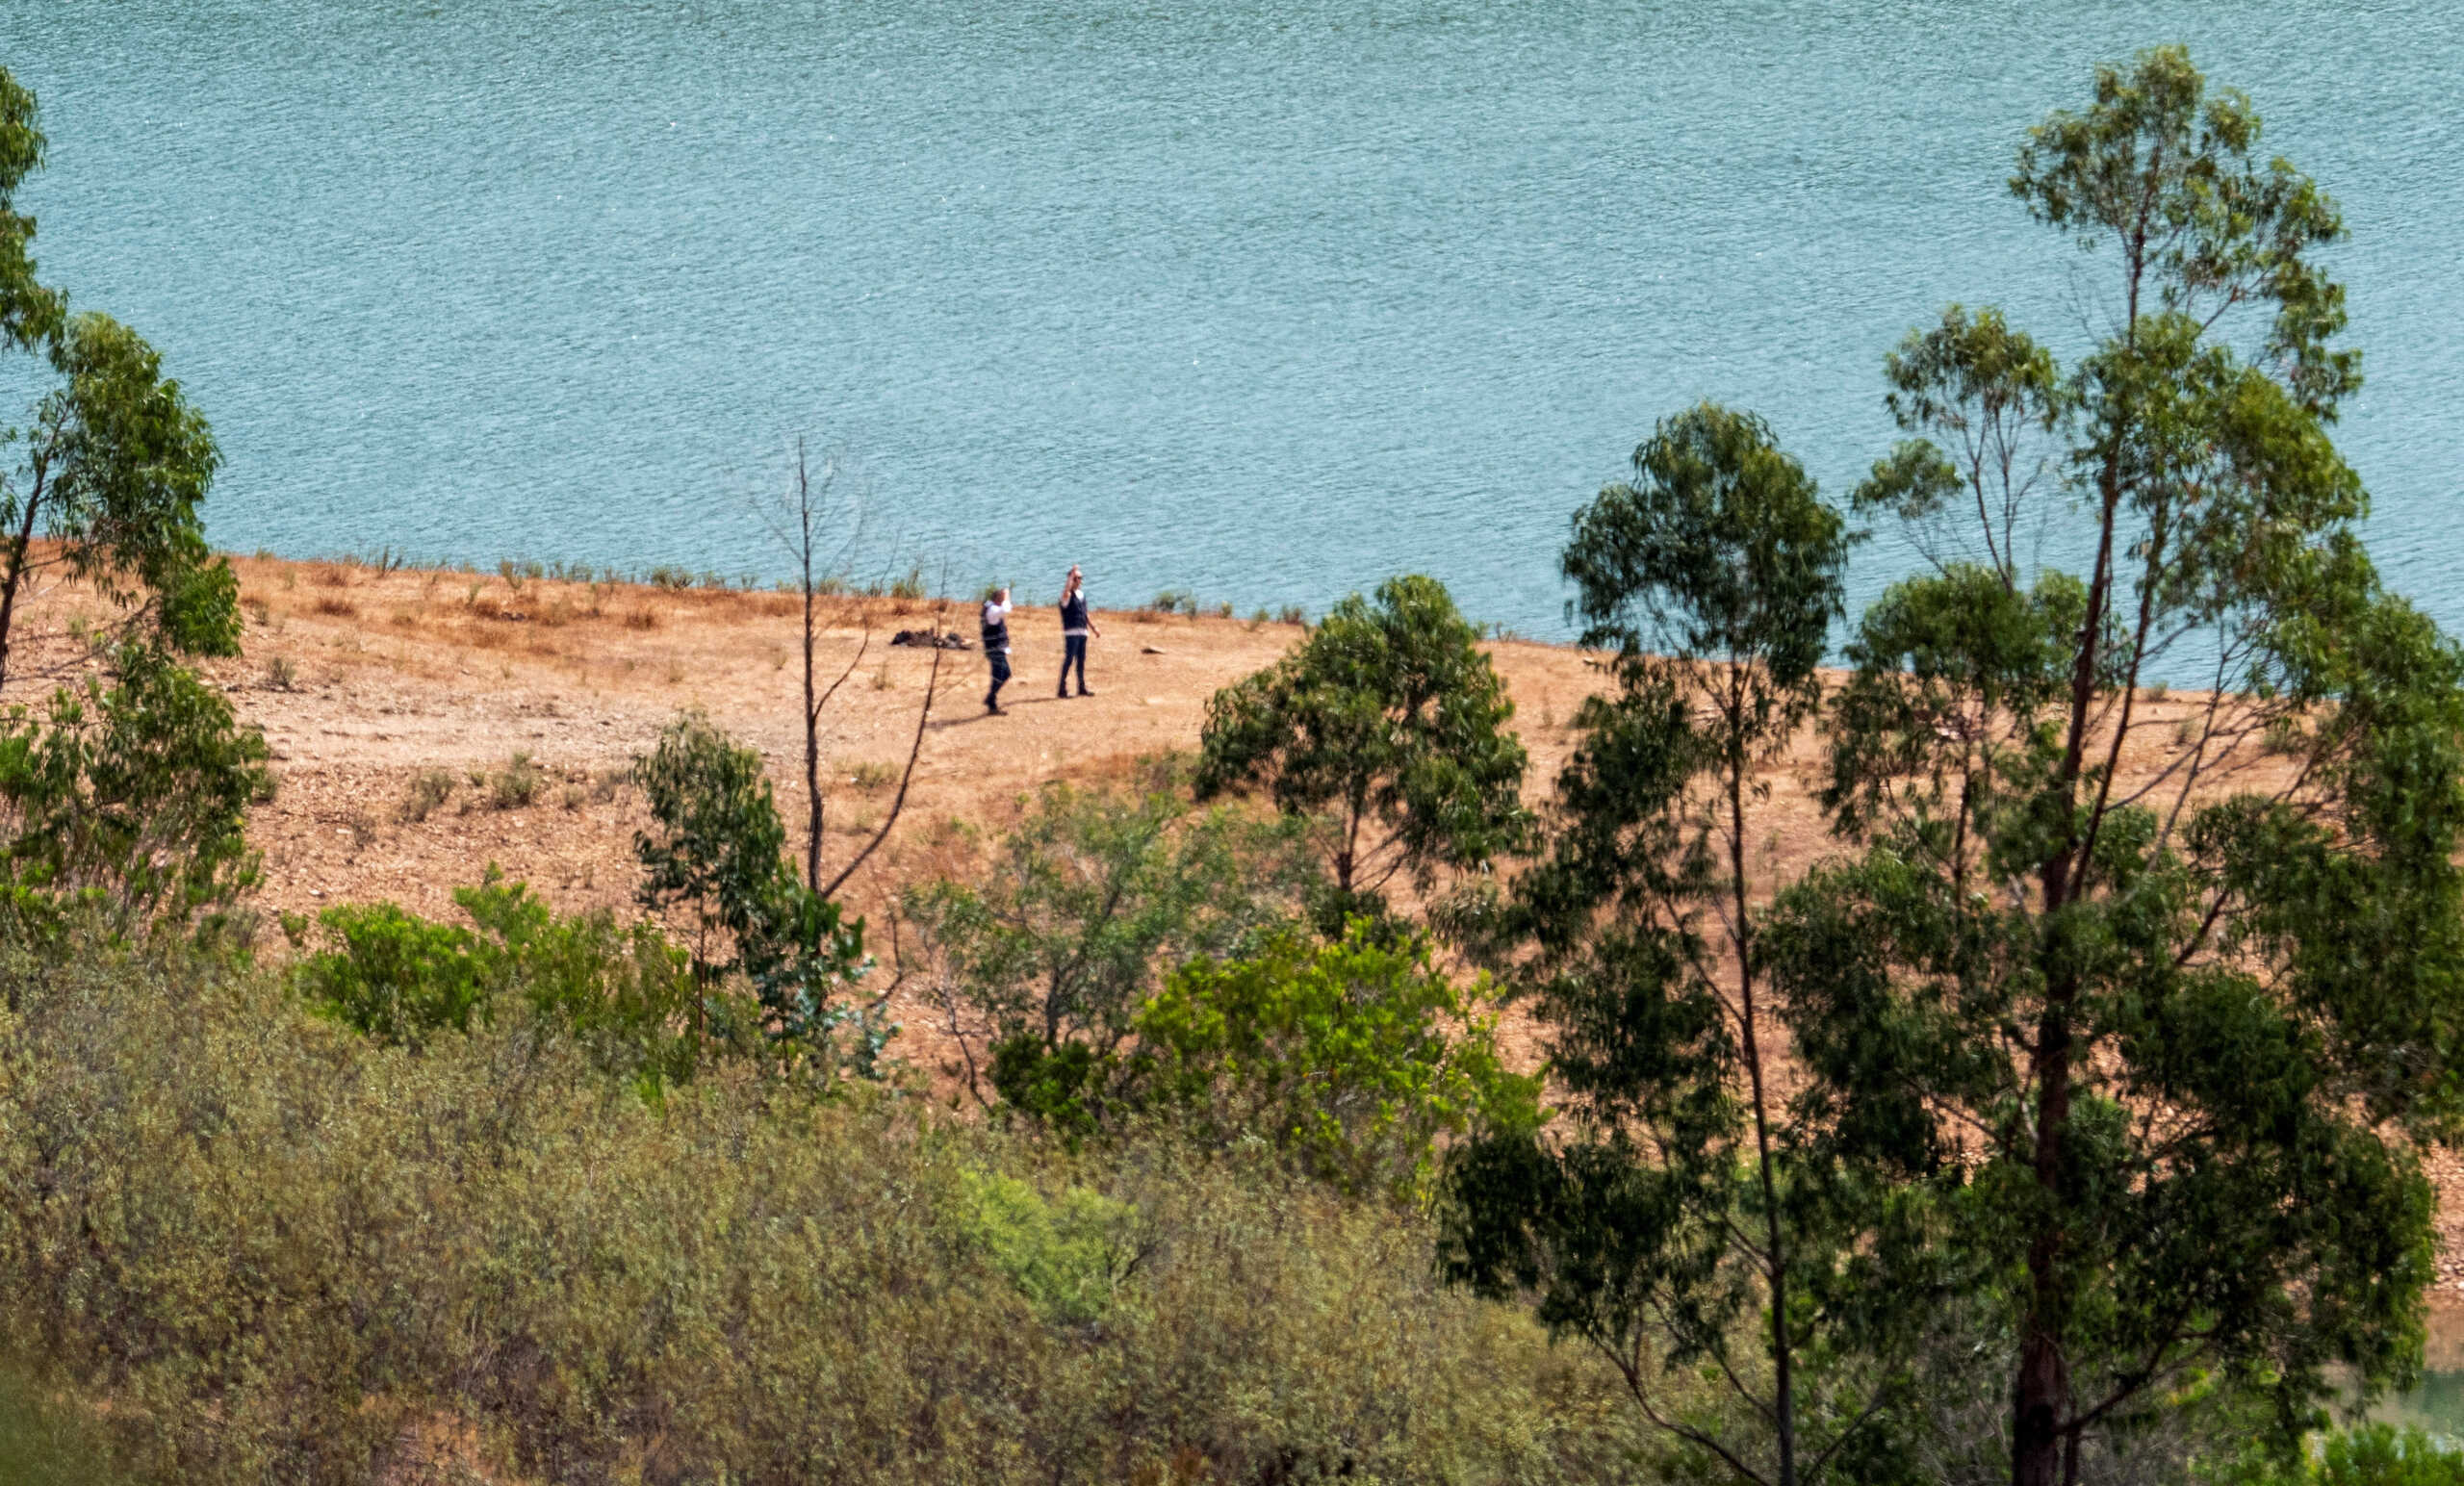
{"points": [[1067, 1253], [2379, 1455], [622, 993], [428, 792], [515, 786], [1357, 1056], [394, 975], [258, 1246], [1045, 958], [2362, 1454]]}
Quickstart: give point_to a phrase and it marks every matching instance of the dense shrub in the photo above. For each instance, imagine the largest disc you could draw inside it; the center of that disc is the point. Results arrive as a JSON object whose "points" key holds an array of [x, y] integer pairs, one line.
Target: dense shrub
{"points": [[266, 1247], [2362, 1454], [394, 975], [1047, 956], [1355, 1057], [2379, 1455], [1067, 1252], [717, 848], [621, 993]]}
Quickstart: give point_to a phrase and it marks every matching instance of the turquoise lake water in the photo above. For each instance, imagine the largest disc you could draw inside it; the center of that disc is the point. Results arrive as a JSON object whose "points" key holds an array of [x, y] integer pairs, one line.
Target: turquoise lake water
{"points": [[1263, 301]]}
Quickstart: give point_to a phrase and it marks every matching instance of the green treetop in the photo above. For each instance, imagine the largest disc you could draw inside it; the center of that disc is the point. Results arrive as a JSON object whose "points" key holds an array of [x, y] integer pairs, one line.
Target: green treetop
{"points": [[106, 475], [1388, 722]]}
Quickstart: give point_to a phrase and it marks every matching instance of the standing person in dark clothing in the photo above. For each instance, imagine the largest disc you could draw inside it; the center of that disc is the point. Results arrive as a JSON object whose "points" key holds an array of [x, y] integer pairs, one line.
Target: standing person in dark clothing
{"points": [[997, 646], [1076, 624]]}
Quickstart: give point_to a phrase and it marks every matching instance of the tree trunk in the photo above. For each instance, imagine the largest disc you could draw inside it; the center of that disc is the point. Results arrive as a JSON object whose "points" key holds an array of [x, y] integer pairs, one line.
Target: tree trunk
{"points": [[812, 710], [2042, 1394], [2041, 1391], [16, 573], [813, 746], [1784, 1401]]}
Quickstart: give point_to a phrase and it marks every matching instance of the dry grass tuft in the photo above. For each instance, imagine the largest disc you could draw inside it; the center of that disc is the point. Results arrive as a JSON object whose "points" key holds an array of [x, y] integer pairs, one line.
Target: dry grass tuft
{"points": [[336, 605], [429, 790]]}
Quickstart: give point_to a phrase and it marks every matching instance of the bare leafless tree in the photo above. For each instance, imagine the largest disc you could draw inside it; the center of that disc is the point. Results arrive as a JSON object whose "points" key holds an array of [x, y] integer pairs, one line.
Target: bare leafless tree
{"points": [[819, 519]]}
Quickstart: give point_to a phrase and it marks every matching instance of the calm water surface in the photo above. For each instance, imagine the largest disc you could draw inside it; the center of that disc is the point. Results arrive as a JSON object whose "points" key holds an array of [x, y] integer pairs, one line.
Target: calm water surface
{"points": [[1262, 299]]}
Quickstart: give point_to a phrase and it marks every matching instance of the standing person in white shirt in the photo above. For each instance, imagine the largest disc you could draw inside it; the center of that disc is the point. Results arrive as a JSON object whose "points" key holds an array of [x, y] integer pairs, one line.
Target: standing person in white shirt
{"points": [[997, 646], [1076, 624]]}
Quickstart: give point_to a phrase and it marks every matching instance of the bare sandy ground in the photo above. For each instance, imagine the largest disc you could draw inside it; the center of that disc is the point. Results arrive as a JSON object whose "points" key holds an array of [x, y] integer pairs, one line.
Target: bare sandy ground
{"points": [[364, 680]]}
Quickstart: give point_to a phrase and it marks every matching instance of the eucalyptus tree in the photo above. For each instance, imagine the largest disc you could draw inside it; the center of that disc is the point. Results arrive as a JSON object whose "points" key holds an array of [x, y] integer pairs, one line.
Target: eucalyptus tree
{"points": [[2155, 1002], [1388, 723], [2120, 1015], [1671, 1230], [106, 475], [128, 789]]}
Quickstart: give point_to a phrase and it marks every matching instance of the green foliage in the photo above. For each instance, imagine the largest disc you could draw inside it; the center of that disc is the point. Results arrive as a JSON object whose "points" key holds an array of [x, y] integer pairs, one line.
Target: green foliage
{"points": [[1089, 899], [1719, 552], [2379, 1455], [29, 313], [1066, 1254], [1357, 1058], [1128, 957], [103, 482], [256, 1247], [42, 1441], [397, 976], [719, 847], [2078, 1021], [2362, 1454], [1677, 1207], [2114, 1040], [114, 465], [2124, 1077], [1387, 720], [621, 992], [132, 790]]}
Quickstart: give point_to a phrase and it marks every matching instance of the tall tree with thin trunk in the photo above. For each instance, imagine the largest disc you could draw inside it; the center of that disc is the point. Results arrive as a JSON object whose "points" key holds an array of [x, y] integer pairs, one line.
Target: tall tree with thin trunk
{"points": [[2120, 1017], [1659, 1230], [2154, 1001]]}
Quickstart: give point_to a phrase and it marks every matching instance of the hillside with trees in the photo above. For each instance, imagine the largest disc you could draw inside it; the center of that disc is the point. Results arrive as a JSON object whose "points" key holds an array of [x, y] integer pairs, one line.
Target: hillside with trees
{"points": [[1922, 1046]]}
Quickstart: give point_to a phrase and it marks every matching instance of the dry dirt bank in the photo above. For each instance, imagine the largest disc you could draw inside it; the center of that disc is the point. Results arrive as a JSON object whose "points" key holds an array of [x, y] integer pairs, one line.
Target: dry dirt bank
{"points": [[364, 680]]}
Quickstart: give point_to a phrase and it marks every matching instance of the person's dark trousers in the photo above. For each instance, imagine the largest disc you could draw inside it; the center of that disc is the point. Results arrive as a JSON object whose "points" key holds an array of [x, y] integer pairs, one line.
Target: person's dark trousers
{"points": [[1000, 675], [1073, 652]]}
